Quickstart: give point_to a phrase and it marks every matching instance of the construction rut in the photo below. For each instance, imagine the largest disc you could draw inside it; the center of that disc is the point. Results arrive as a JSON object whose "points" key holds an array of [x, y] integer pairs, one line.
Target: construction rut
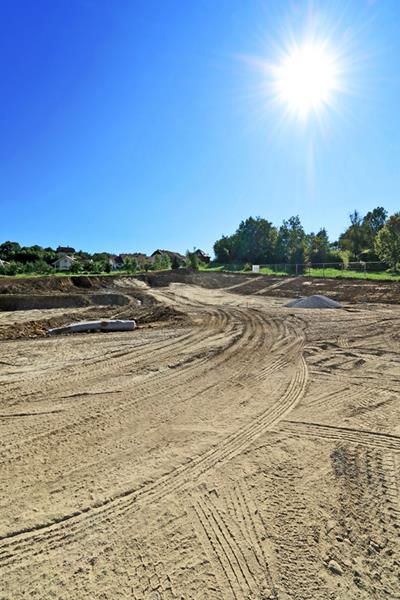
{"points": [[237, 454]]}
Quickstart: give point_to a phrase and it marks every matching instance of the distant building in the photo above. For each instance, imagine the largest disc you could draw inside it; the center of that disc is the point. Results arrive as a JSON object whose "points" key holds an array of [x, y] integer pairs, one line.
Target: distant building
{"points": [[65, 250], [64, 263], [172, 255], [203, 256], [116, 262]]}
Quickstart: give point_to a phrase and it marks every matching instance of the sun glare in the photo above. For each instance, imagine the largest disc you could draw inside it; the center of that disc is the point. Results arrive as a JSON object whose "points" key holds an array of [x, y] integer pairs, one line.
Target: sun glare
{"points": [[306, 79]]}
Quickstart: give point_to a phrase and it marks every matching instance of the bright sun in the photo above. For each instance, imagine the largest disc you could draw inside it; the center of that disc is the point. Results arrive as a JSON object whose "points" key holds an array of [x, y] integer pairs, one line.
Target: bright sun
{"points": [[305, 79]]}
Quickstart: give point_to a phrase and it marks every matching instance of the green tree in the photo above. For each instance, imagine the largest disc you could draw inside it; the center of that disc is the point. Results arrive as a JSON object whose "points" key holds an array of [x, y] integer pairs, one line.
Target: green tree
{"points": [[12, 268], [8, 250], [130, 264], [373, 222], [318, 247], [255, 241], [291, 243], [76, 267], [192, 260], [224, 249], [387, 242], [165, 262], [157, 262], [354, 238]]}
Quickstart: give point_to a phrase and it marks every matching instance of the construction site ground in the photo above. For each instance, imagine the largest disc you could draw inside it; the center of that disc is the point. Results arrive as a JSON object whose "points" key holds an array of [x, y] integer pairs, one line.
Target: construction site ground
{"points": [[228, 448]]}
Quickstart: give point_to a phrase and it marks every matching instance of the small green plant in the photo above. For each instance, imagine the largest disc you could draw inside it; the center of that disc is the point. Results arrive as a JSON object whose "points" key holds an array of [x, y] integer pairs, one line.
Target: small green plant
{"points": [[192, 260]]}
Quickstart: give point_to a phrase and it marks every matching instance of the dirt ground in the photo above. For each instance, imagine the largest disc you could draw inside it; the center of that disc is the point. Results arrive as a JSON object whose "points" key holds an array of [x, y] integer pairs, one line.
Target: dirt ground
{"points": [[229, 448]]}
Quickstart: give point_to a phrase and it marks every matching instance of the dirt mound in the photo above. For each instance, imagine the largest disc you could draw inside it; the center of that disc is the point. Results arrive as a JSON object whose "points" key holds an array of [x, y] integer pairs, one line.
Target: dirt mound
{"points": [[147, 314], [315, 301]]}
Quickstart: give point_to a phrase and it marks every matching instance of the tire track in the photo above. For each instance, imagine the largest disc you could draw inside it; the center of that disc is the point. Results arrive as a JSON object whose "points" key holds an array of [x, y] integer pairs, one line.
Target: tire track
{"points": [[156, 387], [229, 534], [69, 527], [331, 433]]}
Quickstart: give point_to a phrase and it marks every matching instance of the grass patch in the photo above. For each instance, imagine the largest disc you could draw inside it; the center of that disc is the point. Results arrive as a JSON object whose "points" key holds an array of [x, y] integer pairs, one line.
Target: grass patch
{"points": [[310, 272], [348, 274]]}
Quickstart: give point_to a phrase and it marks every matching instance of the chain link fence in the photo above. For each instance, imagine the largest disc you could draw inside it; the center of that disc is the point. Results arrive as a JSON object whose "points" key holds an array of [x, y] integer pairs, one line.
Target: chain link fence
{"points": [[322, 269]]}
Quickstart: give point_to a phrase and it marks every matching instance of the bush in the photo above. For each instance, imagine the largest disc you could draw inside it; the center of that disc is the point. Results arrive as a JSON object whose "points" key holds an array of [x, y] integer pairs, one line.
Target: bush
{"points": [[192, 260], [11, 269], [337, 256], [387, 242]]}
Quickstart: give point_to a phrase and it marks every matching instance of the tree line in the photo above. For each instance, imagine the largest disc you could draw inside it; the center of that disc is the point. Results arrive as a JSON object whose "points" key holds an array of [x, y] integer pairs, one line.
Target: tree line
{"points": [[373, 237], [16, 259]]}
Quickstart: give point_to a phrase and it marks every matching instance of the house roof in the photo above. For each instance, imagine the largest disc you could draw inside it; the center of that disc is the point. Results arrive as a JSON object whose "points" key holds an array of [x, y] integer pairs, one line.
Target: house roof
{"points": [[71, 258], [168, 253]]}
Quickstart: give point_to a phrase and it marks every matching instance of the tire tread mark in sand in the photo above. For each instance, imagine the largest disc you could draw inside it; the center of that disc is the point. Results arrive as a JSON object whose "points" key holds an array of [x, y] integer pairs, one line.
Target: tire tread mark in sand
{"points": [[167, 484], [228, 518], [139, 390], [218, 318], [333, 433], [254, 526], [217, 524], [181, 340], [239, 340], [230, 547], [213, 544], [170, 483], [222, 356], [390, 465], [321, 399]]}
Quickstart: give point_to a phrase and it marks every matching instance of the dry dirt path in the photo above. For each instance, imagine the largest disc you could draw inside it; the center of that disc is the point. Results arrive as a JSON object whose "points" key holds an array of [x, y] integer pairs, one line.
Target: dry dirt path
{"points": [[251, 454]]}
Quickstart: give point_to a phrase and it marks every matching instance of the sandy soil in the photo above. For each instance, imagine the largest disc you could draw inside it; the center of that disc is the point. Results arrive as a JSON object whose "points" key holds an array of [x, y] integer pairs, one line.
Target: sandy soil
{"points": [[244, 451]]}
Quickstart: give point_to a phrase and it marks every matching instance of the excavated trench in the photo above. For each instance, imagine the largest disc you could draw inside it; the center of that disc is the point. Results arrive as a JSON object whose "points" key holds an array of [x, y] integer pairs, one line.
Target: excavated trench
{"points": [[10, 302]]}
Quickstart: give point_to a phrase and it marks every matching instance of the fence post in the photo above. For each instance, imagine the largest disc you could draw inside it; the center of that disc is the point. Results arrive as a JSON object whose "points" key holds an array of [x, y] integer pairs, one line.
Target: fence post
{"points": [[297, 269], [323, 270]]}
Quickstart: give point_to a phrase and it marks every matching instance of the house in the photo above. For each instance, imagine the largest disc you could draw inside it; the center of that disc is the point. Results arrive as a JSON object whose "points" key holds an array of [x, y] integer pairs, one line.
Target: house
{"points": [[116, 262], [65, 250], [172, 255], [203, 256], [64, 263]]}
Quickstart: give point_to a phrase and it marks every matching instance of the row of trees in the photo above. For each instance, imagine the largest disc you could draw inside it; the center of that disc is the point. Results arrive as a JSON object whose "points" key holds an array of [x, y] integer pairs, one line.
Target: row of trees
{"points": [[36, 259], [374, 237], [16, 259]]}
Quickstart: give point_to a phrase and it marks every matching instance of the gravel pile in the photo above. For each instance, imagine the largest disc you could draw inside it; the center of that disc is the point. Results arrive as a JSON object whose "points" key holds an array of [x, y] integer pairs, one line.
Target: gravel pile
{"points": [[314, 302]]}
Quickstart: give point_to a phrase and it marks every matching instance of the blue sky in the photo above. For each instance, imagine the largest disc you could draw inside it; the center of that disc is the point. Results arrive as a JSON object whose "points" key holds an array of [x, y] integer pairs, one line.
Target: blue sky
{"points": [[137, 124]]}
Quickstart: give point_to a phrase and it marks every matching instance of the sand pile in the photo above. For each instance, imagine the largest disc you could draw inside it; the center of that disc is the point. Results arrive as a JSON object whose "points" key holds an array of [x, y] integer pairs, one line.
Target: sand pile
{"points": [[316, 301]]}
